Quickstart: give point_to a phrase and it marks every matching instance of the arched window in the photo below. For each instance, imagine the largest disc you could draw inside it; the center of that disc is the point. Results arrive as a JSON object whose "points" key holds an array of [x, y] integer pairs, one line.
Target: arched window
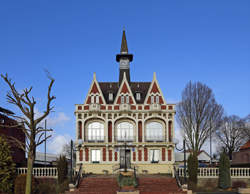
{"points": [[95, 131], [154, 131], [125, 131]]}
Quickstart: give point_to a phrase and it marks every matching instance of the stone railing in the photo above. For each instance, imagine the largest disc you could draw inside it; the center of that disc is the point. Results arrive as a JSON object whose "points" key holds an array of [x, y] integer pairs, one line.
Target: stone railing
{"points": [[49, 172], [214, 172]]}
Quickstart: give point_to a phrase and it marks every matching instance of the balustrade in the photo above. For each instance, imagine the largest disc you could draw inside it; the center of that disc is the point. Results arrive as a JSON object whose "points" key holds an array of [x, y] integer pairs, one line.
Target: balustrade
{"points": [[214, 172]]}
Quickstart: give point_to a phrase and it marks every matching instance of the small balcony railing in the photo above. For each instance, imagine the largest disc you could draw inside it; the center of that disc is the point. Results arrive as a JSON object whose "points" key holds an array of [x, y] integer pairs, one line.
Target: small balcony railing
{"points": [[124, 107], [94, 107], [155, 107], [125, 139], [155, 138], [95, 139]]}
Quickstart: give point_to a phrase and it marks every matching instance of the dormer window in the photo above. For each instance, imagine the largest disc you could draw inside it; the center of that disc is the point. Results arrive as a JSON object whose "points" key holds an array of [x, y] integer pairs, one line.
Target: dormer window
{"points": [[122, 99], [157, 99], [92, 99], [110, 96], [127, 99], [138, 96], [152, 100], [97, 99]]}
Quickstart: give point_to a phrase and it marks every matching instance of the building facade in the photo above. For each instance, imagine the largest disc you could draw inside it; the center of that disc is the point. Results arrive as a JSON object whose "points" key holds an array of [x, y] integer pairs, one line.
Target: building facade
{"points": [[125, 125], [8, 129]]}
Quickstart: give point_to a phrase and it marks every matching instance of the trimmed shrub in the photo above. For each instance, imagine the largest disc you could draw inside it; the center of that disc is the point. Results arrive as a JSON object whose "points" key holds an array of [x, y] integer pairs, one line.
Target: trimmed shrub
{"points": [[224, 181], [20, 184], [192, 171], [126, 181], [62, 169], [7, 168]]}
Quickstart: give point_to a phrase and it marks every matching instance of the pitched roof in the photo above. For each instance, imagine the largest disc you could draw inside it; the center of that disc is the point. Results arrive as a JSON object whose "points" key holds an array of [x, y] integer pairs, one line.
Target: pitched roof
{"points": [[113, 87], [3, 110], [245, 146]]}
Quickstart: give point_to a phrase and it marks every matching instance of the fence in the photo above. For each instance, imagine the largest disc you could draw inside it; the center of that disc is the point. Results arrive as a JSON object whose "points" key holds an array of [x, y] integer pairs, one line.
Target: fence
{"points": [[50, 172], [214, 172]]}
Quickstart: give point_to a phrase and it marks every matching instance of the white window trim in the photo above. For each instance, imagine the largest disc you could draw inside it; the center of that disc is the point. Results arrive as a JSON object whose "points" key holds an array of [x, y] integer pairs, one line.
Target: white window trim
{"points": [[95, 156], [138, 96], [154, 155]]}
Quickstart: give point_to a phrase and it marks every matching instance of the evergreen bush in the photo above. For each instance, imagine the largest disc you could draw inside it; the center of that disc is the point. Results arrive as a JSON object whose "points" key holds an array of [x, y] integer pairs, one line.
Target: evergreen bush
{"points": [[224, 181], [7, 168], [192, 171], [62, 169]]}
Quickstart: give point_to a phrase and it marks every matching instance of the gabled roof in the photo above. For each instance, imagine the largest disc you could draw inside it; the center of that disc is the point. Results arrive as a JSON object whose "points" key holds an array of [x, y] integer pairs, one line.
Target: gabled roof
{"points": [[245, 146], [113, 87]]}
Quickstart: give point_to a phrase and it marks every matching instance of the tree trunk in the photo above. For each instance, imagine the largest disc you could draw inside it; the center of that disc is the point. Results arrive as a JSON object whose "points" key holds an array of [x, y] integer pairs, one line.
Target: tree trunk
{"points": [[29, 174]]}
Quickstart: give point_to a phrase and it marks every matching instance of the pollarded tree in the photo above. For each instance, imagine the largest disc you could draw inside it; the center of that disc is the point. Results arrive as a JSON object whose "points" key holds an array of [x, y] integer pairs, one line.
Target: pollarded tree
{"points": [[7, 167], [28, 122], [198, 114], [231, 134]]}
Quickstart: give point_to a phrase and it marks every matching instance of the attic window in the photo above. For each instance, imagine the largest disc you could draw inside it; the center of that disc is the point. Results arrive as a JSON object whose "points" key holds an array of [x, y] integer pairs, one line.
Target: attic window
{"points": [[138, 96], [110, 96], [157, 99]]}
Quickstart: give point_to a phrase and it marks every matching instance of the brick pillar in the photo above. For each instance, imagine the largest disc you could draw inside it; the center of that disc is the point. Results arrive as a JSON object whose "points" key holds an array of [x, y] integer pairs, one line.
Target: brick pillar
{"points": [[81, 154], [110, 155], [140, 131], [169, 155], [109, 131], [169, 131], [134, 156], [86, 154], [145, 154], [104, 154], [163, 154], [139, 155], [116, 156]]}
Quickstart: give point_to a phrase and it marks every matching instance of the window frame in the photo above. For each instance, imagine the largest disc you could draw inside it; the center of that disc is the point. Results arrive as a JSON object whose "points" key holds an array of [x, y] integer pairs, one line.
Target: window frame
{"points": [[96, 154], [150, 132], [121, 131], [95, 134], [152, 155]]}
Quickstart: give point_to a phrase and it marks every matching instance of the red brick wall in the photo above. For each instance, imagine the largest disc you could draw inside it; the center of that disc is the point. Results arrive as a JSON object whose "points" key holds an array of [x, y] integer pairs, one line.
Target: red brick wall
{"points": [[134, 156], [110, 155], [163, 154], [170, 131], [110, 131], [104, 154], [80, 156], [145, 154], [86, 154], [80, 129], [116, 156], [169, 155], [140, 131], [139, 155]]}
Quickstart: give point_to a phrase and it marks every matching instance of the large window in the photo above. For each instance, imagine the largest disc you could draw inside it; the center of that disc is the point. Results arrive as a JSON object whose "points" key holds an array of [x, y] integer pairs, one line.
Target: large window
{"points": [[154, 131], [96, 131], [125, 131], [154, 156], [95, 156]]}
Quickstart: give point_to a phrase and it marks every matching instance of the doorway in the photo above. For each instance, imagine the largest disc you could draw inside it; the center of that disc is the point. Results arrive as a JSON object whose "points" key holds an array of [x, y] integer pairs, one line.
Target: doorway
{"points": [[125, 158]]}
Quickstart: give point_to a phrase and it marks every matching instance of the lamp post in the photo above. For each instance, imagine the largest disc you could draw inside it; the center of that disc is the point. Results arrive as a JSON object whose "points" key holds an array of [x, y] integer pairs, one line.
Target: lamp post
{"points": [[71, 156], [183, 149]]}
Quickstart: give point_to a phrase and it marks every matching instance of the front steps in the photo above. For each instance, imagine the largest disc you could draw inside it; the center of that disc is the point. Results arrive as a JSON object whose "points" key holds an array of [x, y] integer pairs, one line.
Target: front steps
{"points": [[148, 184]]}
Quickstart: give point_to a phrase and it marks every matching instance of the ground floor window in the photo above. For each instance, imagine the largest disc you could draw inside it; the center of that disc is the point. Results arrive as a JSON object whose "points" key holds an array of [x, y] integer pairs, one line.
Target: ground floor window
{"points": [[154, 156], [95, 156]]}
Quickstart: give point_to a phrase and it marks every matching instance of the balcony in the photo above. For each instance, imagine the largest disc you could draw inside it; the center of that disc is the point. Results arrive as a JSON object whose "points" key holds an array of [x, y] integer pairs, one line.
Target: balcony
{"points": [[154, 138], [94, 107], [95, 139], [124, 107], [155, 107], [125, 139]]}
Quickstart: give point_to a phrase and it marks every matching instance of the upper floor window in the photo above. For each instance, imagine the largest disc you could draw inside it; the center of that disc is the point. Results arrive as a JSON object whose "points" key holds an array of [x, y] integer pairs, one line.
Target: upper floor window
{"points": [[125, 131], [95, 131], [110, 96], [95, 156], [138, 96], [154, 131], [122, 99], [157, 99], [154, 156], [97, 99], [127, 99], [152, 99]]}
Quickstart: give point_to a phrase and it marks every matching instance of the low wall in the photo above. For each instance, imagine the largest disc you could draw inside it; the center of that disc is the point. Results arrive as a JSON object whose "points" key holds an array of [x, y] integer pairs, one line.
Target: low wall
{"points": [[213, 182]]}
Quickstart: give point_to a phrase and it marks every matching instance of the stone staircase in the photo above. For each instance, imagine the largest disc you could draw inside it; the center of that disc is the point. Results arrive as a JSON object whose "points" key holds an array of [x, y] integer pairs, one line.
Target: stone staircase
{"points": [[107, 184]]}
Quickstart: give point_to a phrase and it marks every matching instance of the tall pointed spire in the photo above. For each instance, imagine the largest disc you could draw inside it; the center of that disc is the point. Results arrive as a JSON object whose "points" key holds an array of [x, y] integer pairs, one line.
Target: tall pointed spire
{"points": [[124, 46], [124, 58]]}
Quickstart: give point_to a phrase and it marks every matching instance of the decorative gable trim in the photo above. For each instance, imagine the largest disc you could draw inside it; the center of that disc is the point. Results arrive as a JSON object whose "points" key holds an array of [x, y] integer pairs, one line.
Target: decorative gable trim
{"points": [[124, 89], [94, 90], [154, 90]]}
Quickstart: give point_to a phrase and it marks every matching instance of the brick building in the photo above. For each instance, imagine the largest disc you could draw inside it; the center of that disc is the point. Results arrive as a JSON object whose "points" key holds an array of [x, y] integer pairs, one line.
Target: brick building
{"points": [[242, 157], [6, 131], [125, 124]]}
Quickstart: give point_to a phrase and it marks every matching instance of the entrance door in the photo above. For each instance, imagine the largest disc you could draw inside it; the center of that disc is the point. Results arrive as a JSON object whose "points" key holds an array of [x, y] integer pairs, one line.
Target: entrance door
{"points": [[125, 158]]}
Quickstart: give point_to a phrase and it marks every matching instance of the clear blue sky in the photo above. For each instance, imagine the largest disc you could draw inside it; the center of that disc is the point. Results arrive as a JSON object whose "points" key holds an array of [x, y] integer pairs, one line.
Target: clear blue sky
{"points": [[180, 40]]}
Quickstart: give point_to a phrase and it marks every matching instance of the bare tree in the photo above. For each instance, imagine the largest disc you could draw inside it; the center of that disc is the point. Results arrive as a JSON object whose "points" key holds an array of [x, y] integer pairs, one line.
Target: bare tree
{"points": [[247, 127], [231, 134], [198, 114], [29, 123]]}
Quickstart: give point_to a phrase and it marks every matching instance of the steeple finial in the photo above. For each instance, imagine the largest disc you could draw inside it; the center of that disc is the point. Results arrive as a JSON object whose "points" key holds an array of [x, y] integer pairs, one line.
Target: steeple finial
{"points": [[124, 46]]}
